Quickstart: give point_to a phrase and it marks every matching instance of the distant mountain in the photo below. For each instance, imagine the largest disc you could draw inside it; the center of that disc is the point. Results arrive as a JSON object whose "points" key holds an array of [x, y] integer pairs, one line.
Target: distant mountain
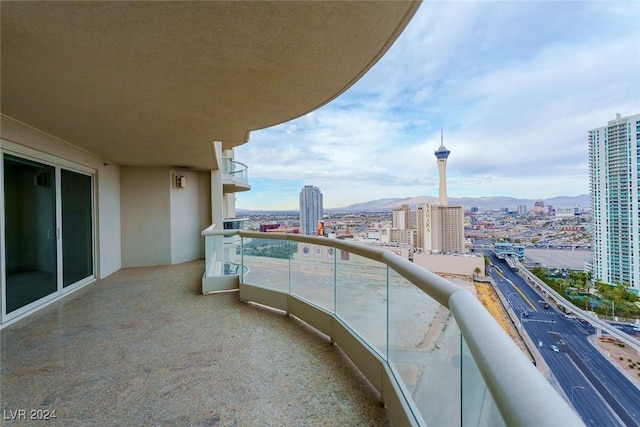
{"points": [[484, 203]]}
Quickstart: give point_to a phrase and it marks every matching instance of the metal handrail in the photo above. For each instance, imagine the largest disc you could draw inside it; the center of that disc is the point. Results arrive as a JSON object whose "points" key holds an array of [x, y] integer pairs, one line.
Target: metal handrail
{"points": [[233, 163], [521, 394]]}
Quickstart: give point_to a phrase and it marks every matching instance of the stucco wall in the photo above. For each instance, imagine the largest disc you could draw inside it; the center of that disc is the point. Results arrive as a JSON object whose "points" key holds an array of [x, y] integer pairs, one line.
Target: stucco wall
{"points": [[450, 264], [145, 216], [204, 201], [108, 184], [187, 218], [161, 224]]}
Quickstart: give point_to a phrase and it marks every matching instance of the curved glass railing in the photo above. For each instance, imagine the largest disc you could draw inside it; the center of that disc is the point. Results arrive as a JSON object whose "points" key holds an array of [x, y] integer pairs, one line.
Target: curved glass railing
{"points": [[449, 361], [238, 171]]}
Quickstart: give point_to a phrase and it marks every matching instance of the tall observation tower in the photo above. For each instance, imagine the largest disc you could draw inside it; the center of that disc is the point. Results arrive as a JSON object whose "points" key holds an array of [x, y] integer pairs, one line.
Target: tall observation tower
{"points": [[441, 227], [442, 155]]}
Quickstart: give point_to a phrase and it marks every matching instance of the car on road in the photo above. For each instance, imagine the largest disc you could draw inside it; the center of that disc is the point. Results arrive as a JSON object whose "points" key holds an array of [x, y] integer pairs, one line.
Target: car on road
{"points": [[554, 348]]}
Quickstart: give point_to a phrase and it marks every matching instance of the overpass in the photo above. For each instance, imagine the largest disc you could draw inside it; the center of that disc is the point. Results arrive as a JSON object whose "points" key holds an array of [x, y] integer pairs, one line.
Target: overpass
{"points": [[504, 250]]}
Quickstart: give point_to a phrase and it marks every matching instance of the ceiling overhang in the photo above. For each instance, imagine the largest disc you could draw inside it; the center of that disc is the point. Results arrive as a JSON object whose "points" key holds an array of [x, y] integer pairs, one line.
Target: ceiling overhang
{"points": [[154, 83]]}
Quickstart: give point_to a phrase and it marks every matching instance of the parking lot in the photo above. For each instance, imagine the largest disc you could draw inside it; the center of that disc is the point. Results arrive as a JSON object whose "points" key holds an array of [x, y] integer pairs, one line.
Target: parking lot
{"points": [[558, 258]]}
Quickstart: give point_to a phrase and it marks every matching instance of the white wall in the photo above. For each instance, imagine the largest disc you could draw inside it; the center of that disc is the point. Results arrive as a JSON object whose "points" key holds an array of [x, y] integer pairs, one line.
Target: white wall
{"points": [[145, 216], [204, 200], [108, 184], [161, 225], [186, 220]]}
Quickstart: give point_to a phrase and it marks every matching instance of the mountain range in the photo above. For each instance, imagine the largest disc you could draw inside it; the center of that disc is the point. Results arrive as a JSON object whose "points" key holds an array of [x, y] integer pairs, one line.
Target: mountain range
{"points": [[484, 203]]}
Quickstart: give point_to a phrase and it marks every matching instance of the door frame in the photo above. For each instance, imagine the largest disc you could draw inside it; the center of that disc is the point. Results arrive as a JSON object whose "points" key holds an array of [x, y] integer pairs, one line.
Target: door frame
{"points": [[7, 147]]}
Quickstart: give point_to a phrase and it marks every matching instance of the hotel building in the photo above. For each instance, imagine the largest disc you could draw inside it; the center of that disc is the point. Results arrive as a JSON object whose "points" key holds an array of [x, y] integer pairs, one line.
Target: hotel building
{"points": [[614, 171]]}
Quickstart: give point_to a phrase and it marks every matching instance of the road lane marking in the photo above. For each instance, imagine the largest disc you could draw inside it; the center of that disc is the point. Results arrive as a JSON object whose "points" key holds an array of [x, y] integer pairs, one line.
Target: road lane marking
{"points": [[499, 272], [533, 307]]}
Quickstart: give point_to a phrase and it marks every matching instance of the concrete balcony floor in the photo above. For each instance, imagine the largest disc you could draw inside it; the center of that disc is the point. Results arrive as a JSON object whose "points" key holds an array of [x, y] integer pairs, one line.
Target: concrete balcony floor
{"points": [[143, 347]]}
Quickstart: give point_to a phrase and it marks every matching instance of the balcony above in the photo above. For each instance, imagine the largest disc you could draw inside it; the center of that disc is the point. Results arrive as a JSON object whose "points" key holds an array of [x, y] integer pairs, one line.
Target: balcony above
{"points": [[234, 223], [235, 177]]}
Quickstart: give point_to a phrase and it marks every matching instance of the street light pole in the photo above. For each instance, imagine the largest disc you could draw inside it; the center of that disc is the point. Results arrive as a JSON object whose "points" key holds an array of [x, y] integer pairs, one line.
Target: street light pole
{"points": [[522, 313], [573, 387], [513, 307], [613, 310], [511, 302]]}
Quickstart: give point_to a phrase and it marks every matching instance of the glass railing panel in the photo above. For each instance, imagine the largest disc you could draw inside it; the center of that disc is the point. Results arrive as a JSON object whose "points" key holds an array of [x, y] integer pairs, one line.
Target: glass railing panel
{"points": [[241, 174], [232, 255], [313, 274], [222, 255], [361, 297], [227, 165], [210, 254], [266, 263], [235, 223], [237, 170], [478, 407], [424, 349]]}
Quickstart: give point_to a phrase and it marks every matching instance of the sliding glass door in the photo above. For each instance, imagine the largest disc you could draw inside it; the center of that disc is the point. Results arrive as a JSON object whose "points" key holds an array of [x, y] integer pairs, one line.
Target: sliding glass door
{"points": [[30, 232], [77, 227], [48, 232]]}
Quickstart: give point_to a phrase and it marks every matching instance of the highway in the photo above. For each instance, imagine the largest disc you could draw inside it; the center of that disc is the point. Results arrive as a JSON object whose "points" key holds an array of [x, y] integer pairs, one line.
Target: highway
{"points": [[598, 390]]}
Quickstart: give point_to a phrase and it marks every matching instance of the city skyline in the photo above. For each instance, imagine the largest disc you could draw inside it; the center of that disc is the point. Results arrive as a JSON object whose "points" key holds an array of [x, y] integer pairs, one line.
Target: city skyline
{"points": [[515, 87]]}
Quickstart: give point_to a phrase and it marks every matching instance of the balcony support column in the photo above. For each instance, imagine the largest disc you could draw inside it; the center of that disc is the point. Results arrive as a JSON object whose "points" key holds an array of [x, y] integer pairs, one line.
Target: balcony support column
{"points": [[217, 198]]}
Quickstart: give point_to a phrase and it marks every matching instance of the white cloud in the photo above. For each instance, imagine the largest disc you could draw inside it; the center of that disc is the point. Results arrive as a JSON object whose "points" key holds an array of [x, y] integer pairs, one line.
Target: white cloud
{"points": [[515, 86]]}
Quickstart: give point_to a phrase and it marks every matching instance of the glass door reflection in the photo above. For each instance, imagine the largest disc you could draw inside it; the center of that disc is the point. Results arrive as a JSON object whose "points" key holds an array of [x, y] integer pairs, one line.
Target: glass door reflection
{"points": [[77, 226], [30, 231]]}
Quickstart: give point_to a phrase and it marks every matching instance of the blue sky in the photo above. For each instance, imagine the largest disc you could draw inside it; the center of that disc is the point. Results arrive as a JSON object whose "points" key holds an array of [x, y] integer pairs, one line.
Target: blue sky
{"points": [[515, 86]]}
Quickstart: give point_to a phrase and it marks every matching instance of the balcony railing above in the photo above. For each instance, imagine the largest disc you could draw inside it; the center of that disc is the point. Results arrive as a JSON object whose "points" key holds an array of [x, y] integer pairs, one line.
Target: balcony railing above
{"points": [[235, 177], [234, 223]]}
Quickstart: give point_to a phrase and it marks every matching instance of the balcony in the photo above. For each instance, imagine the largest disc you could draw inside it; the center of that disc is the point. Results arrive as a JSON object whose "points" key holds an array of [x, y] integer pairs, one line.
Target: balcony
{"points": [[143, 347], [235, 176], [222, 256], [429, 348]]}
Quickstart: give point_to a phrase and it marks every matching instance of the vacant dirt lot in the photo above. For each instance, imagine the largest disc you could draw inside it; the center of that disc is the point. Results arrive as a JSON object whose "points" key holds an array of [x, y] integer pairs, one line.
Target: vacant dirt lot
{"points": [[487, 296], [624, 356]]}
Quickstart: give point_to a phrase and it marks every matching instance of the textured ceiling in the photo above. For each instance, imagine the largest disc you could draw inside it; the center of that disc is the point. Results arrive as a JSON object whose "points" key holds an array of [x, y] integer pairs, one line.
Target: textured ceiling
{"points": [[153, 83]]}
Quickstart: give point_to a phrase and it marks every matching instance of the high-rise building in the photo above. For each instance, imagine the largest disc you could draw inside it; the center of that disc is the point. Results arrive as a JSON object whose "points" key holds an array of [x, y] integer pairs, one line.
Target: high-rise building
{"points": [[310, 210], [441, 228], [614, 172], [401, 217], [423, 223]]}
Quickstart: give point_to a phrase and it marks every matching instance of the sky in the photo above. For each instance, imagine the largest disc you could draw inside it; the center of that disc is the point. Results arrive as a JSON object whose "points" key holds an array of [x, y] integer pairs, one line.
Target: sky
{"points": [[514, 86]]}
